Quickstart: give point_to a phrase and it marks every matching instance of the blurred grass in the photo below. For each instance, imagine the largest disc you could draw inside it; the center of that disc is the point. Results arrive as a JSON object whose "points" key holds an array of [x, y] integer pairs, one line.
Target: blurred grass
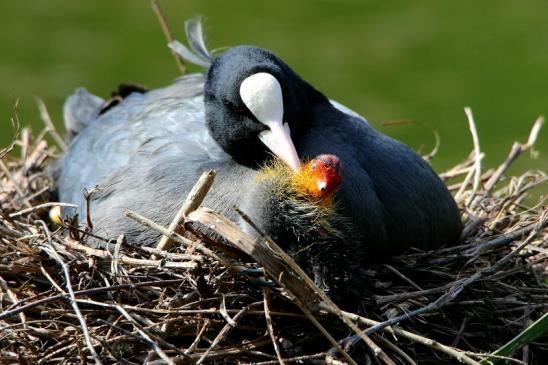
{"points": [[387, 60]]}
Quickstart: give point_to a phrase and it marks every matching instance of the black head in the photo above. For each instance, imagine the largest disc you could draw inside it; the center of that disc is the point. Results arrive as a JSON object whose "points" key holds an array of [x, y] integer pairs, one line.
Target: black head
{"points": [[251, 99]]}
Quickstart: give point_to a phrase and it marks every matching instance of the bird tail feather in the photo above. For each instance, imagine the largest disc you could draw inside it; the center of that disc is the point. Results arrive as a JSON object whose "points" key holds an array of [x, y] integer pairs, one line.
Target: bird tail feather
{"points": [[79, 110]]}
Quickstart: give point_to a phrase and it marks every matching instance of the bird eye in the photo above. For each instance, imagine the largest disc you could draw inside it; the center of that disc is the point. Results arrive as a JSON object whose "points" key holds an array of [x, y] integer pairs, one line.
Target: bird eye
{"points": [[235, 108]]}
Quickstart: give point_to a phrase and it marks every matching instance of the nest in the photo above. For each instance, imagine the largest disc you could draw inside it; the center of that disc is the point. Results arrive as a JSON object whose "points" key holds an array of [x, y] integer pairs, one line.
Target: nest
{"points": [[193, 300]]}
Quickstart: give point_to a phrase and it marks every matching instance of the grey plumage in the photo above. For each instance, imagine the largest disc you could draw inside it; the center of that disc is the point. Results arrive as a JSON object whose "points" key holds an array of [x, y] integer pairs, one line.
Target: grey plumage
{"points": [[139, 153]]}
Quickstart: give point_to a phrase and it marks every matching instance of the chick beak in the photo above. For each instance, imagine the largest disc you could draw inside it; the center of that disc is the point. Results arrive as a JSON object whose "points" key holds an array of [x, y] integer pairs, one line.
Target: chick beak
{"points": [[55, 215], [322, 185]]}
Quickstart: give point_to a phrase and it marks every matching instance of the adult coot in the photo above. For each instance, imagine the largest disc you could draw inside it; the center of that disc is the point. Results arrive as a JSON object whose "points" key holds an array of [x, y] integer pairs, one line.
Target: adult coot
{"points": [[146, 152]]}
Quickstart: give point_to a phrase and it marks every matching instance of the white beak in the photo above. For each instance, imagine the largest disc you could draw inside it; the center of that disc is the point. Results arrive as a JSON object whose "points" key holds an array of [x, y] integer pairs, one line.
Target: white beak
{"points": [[278, 140], [262, 94]]}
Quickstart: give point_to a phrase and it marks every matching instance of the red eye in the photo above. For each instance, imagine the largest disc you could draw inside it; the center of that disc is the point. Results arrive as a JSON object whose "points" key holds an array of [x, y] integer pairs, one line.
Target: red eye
{"points": [[235, 108]]}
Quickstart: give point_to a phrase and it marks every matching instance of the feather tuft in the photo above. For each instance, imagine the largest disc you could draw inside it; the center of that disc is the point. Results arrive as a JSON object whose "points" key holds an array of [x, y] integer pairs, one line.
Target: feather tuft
{"points": [[198, 53]]}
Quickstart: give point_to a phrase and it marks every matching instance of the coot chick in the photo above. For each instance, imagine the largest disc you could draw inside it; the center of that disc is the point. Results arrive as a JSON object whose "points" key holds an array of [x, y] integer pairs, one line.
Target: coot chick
{"points": [[146, 152], [298, 212]]}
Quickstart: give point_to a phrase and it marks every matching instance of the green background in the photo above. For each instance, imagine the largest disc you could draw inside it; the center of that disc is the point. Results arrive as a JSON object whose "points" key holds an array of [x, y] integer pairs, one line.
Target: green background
{"points": [[390, 60]]}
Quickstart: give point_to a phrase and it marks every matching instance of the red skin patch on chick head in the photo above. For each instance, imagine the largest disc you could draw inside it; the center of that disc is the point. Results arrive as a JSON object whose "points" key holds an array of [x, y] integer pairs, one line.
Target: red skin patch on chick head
{"points": [[322, 176]]}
